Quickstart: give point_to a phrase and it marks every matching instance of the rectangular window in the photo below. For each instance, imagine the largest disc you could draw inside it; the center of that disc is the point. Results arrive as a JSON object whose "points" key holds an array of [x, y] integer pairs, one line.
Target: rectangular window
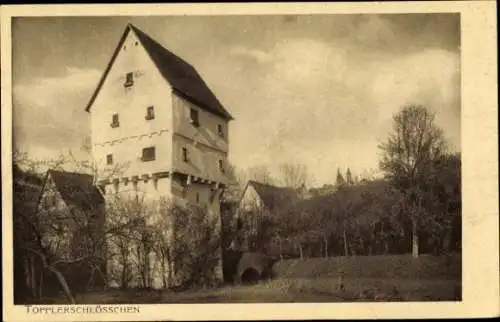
{"points": [[148, 154], [220, 130], [115, 122], [194, 117], [185, 154], [109, 159], [50, 200], [150, 113], [197, 197], [129, 81], [221, 166]]}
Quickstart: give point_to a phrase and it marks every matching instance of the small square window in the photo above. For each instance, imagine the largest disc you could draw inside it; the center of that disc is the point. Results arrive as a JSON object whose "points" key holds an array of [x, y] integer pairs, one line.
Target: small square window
{"points": [[220, 130], [109, 159], [148, 154], [150, 113], [51, 200], [185, 154], [194, 117], [129, 81], [115, 122]]}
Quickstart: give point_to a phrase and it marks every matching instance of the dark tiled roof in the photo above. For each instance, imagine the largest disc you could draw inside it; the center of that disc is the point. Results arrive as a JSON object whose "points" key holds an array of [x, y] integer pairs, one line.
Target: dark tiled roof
{"points": [[183, 77], [274, 197], [76, 189]]}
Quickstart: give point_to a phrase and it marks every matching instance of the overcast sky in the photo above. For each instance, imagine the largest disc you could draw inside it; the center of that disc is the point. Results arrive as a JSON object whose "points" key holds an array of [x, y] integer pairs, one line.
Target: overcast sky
{"points": [[318, 90]]}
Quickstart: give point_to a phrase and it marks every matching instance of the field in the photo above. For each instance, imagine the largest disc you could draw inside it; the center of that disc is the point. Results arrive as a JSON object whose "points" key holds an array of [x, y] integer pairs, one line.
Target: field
{"points": [[376, 278]]}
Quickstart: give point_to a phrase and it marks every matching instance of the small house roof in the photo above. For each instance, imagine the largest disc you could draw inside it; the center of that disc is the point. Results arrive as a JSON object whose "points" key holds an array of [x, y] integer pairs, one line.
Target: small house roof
{"points": [[76, 189], [274, 197]]}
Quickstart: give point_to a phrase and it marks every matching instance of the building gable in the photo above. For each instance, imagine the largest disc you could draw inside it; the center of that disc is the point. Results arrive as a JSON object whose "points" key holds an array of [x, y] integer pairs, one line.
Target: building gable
{"points": [[269, 196], [250, 198], [182, 77], [49, 198], [69, 189]]}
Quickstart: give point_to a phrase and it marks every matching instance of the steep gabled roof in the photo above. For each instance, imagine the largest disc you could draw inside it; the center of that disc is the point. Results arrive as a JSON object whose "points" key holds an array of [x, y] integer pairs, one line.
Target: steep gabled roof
{"points": [[26, 188], [274, 197], [76, 189], [183, 77]]}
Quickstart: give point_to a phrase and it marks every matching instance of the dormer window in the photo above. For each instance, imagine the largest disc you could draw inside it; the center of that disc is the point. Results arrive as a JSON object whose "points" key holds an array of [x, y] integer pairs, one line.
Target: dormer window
{"points": [[115, 121], [185, 154], [194, 117], [150, 113], [148, 154], [129, 80], [220, 130]]}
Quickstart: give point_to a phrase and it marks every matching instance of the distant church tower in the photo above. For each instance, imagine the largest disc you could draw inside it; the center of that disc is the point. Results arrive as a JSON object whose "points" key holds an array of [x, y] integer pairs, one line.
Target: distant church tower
{"points": [[152, 111]]}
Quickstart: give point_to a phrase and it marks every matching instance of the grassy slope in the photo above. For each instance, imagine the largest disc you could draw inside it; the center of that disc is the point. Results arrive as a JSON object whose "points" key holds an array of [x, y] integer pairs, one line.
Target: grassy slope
{"points": [[376, 278], [390, 266]]}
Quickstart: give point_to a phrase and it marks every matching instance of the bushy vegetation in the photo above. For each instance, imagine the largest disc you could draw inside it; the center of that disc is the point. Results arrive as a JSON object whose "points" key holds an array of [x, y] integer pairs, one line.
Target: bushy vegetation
{"points": [[125, 242], [414, 208]]}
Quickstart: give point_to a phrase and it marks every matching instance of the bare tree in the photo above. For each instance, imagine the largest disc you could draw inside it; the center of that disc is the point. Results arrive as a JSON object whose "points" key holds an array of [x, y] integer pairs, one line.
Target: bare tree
{"points": [[126, 237], [260, 173], [294, 175], [235, 186], [195, 245], [408, 158]]}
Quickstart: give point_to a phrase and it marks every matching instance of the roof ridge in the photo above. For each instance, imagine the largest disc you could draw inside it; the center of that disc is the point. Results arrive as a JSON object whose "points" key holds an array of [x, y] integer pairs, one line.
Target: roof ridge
{"points": [[270, 185], [69, 172], [142, 33]]}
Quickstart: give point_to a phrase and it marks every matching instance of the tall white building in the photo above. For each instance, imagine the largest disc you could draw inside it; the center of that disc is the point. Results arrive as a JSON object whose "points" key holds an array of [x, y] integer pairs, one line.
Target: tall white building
{"points": [[153, 117]]}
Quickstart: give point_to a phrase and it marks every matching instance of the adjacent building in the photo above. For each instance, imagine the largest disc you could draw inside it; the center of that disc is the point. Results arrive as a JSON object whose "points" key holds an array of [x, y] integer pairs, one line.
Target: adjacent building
{"points": [[259, 200], [70, 216]]}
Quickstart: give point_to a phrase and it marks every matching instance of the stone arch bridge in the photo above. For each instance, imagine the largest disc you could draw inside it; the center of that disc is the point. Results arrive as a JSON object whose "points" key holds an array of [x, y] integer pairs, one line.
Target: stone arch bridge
{"points": [[247, 267]]}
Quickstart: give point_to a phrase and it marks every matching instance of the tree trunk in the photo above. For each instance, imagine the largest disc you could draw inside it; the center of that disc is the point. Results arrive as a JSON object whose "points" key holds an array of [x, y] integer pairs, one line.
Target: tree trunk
{"points": [[63, 283], [40, 284], [33, 275], [326, 246], [414, 239], [163, 267], [346, 251], [280, 248], [170, 268]]}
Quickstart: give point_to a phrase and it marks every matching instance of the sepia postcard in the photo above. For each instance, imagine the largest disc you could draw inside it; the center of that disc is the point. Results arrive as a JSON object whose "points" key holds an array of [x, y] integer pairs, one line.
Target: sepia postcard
{"points": [[249, 161]]}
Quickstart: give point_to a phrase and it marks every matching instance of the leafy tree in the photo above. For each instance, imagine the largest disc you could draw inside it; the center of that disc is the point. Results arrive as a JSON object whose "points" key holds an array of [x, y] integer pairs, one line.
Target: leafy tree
{"points": [[348, 176], [409, 155], [340, 181]]}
